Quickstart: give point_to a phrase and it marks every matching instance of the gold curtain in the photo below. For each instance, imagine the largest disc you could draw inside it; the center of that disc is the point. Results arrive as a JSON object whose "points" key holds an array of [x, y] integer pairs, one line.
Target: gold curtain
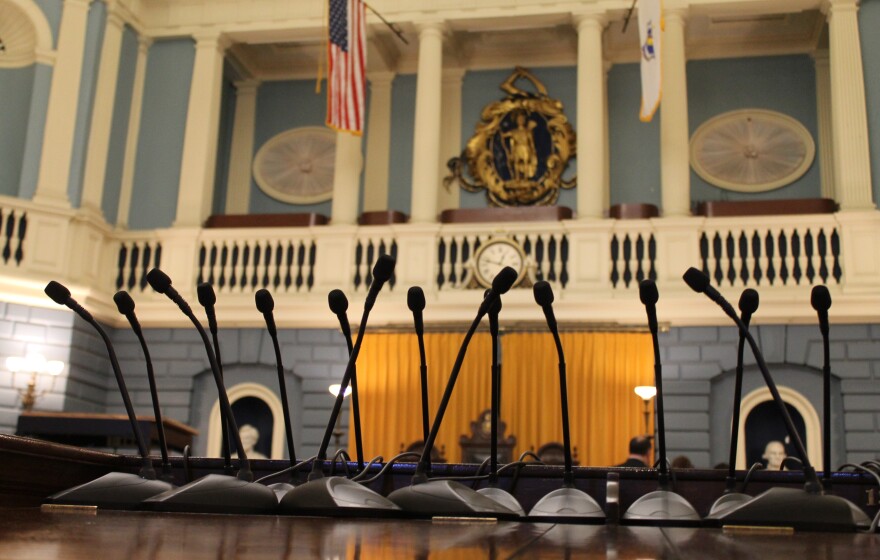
{"points": [[602, 369], [390, 393]]}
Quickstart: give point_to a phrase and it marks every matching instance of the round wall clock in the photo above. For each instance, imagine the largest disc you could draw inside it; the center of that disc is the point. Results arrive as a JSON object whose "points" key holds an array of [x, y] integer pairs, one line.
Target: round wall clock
{"points": [[751, 150], [495, 254], [297, 165]]}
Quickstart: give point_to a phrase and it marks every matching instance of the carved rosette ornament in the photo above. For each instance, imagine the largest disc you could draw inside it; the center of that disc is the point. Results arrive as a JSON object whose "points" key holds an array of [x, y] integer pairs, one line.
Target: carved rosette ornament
{"points": [[520, 150]]}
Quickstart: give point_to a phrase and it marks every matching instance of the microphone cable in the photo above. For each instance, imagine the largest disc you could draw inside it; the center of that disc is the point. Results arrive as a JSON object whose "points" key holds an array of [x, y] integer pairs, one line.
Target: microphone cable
{"points": [[537, 461], [386, 466], [377, 459], [862, 468], [293, 468], [345, 459], [756, 466]]}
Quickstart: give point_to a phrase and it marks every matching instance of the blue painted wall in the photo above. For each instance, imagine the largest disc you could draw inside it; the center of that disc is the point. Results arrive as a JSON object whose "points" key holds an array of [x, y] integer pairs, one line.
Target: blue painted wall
{"points": [[634, 146], [786, 84], [16, 86], [160, 140], [403, 114], [52, 10], [119, 127], [33, 143], [482, 88], [89, 79], [282, 106], [224, 142], [869, 20]]}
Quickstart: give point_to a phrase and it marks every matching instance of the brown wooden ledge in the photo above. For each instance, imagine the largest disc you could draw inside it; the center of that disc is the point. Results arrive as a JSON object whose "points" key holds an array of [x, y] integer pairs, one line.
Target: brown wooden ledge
{"points": [[720, 208], [509, 214], [301, 219]]}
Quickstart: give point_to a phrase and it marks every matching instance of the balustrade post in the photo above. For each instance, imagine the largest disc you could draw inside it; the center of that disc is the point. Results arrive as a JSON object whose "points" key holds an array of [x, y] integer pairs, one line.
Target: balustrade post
{"points": [[180, 259], [859, 250], [589, 255], [678, 248], [334, 258], [417, 256]]}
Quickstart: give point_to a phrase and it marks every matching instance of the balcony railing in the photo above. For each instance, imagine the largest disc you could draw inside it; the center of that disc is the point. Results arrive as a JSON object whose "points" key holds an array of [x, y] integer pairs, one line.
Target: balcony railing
{"points": [[585, 261]]}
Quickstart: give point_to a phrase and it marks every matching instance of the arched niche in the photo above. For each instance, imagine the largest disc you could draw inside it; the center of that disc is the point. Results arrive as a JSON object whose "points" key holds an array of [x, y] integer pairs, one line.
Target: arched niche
{"points": [[244, 380], [241, 391], [26, 34], [812, 424], [803, 388]]}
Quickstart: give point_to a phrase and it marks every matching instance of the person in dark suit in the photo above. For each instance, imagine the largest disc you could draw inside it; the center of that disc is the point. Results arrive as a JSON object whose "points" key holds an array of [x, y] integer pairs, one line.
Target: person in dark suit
{"points": [[639, 453]]}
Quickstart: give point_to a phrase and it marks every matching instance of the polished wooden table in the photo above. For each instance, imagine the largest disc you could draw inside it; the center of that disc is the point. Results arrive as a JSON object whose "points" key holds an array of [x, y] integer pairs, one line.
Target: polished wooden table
{"points": [[29, 533]]}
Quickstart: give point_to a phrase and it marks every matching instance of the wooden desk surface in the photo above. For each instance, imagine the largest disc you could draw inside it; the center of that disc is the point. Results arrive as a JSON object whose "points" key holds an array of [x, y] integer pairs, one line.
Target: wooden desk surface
{"points": [[29, 533]]}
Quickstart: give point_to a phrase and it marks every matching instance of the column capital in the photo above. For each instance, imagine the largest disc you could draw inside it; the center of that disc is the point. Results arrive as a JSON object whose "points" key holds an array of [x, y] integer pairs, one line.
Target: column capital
{"points": [[114, 16], [586, 20], [45, 56], [829, 7], [677, 14], [381, 78], [453, 73], [82, 4], [821, 56], [431, 26], [211, 38], [245, 87], [144, 43]]}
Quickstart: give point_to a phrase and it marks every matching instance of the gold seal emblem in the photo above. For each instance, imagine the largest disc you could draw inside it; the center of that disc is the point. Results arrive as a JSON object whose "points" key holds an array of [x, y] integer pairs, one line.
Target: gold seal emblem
{"points": [[520, 150]]}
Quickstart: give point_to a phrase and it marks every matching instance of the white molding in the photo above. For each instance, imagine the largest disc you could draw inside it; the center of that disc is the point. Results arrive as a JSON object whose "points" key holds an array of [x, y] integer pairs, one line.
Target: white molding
{"points": [[812, 425], [241, 391]]}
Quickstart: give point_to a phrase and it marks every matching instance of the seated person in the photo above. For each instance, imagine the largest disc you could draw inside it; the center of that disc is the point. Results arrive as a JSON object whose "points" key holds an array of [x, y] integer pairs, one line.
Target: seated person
{"points": [[639, 453]]}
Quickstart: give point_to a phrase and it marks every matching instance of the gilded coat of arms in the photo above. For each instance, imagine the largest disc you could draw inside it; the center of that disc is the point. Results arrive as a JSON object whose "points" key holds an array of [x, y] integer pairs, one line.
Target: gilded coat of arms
{"points": [[520, 150]]}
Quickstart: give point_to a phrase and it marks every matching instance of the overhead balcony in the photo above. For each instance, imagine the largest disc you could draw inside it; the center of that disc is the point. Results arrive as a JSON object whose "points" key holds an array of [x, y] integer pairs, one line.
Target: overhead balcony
{"points": [[594, 267]]}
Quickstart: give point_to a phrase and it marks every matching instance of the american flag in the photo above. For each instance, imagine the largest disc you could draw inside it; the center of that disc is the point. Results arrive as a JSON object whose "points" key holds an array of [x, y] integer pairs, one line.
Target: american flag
{"points": [[347, 61]]}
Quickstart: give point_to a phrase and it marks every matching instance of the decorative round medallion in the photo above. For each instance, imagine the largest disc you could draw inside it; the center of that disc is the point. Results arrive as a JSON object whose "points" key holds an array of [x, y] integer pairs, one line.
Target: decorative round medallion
{"points": [[495, 254], [751, 150], [297, 165]]}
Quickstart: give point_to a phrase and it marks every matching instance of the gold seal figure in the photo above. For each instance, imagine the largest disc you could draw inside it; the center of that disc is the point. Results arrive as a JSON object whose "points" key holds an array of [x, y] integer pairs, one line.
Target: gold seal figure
{"points": [[520, 150]]}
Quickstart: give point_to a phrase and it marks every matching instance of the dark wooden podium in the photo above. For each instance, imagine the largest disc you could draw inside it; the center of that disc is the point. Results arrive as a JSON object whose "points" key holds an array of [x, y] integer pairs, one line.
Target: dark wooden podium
{"points": [[106, 431]]}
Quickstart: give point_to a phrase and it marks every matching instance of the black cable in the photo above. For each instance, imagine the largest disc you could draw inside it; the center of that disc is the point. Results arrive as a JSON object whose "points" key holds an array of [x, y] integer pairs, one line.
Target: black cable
{"points": [[482, 477], [876, 521], [294, 468], [345, 459], [755, 467], [389, 464], [367, 467]]}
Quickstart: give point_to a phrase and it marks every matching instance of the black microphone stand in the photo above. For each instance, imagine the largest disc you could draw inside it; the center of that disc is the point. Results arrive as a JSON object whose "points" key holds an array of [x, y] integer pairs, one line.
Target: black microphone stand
{"points": [[337, 298]]}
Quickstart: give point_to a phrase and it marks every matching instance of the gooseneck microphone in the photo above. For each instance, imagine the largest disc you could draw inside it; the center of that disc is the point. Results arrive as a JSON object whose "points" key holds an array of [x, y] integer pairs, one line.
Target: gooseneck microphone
{"points": [[494, 311], [748, 304], [699, 283], [339, 306], [437, 497], [382, 272], [567, 501], [125, 305], [820, 299], [207, 299], [265, 305], [649, 295], [114, 490], [661, 504], [415, 300], [502, 282], [61, 296], [162, 284]]}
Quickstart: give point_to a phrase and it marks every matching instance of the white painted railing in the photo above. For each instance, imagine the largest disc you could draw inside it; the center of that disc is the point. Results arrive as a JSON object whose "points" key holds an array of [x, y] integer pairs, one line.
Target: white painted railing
{"points": [[587, 262]]}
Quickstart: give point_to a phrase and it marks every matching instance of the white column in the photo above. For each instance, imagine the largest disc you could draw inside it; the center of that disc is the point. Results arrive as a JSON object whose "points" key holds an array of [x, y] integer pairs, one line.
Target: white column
{"points": [[674, 150], [200, 139], [849, 119], [590, 117], [134, 129], [426, 145], [823, 117], [346, 179], [606, 173], [378, 142], [61, 112], [102, 114], [450, 135], [238, 186]]}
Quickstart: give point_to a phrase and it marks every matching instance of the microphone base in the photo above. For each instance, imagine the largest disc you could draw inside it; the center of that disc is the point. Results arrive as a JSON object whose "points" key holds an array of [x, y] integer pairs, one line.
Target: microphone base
{"points": [[216, 493], [504, 498], [726, 503], [281, 489], [568, 505], [662, 507], [114, 490], [448, 497], [337, 496], [789, 507]]}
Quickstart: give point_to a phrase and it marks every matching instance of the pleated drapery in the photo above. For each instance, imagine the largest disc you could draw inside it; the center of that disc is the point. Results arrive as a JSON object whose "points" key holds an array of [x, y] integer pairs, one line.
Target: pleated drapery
{"points": [[602, 369]]}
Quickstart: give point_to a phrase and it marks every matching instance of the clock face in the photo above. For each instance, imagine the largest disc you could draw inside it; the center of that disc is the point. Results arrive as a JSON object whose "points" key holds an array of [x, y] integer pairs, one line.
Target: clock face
{"points": [[495, 255]]}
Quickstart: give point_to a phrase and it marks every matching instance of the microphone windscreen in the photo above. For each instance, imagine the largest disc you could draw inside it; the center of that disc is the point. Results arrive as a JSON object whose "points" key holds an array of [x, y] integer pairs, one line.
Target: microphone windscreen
{"points": [[158, 280], [265, 303], [748, 301], [124, 303], [338, 302], [383, 268], [415, 299], [697, 281], [504, 280], [543, 293], [648, 292], [207, 298], [820, 298], [57, 292]]}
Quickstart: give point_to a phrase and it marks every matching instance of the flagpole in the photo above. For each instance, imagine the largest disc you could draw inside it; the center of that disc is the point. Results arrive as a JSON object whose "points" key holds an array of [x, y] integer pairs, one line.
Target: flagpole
{"points": [[390, 25]]}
